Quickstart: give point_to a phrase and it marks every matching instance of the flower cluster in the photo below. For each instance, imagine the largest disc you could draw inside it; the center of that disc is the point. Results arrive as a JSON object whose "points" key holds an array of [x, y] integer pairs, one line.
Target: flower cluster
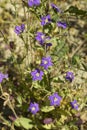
{"points": [[37, 74], [46, 62], [55, 100], [3, 76]]}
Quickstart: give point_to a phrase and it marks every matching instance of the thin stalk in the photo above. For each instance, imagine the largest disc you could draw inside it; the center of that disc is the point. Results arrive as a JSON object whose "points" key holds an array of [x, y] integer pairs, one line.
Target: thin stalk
{"points": [[12, 109], [1, 89], [9, 103]]}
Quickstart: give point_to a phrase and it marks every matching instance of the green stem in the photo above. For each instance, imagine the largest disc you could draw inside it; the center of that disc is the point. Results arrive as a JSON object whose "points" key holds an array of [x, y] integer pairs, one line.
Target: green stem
{"points": [[10, 105]]}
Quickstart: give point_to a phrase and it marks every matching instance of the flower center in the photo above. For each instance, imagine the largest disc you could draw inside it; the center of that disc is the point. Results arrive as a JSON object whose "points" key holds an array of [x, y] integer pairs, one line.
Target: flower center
{"points": [[42, 36], [33, 108], [46, 20], [37, 74], [70, 76], [45, 62], [55, 99], [75, 105]]}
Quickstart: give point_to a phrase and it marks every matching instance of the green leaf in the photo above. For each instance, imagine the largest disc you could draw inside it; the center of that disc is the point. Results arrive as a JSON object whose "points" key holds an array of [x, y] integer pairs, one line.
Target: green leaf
{"points": [[47, 108], [19, 99], [47, 126], [24, 122], [64, 112], [53, 40], [17, 122], [36, 85]]}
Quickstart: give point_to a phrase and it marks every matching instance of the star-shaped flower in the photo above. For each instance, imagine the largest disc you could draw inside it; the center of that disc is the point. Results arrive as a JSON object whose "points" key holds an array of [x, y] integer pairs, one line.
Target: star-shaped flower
{"points": [[55, 99], [37, 74], [33, 108], [46, 62]]}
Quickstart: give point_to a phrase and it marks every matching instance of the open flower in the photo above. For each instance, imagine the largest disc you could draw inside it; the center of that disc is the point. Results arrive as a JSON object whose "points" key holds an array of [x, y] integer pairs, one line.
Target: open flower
{"points": [[74, 104], [46, 62], [3, 76], [33, 108], [55, 7], [45, 20], [69, 76], [33, 2], [19, 29], [37, 74], [55, 99], [41, 37], [62, 24]]}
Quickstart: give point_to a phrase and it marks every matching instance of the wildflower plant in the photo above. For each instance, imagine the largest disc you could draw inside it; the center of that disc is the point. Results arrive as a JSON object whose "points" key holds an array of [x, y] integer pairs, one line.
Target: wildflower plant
{"points": [[42, 92]]}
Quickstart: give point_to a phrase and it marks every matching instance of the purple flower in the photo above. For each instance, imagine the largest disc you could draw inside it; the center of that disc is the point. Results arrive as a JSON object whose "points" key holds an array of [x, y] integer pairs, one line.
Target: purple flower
{"points": [[55, 99], [34, 108], [19, 29], [22, 27], [45, 20], [46, 62], [70, 76], [41, 37], [3, 76], [37, 74], [55, 7], [62, 24], [33, 2], [74, 104]]}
